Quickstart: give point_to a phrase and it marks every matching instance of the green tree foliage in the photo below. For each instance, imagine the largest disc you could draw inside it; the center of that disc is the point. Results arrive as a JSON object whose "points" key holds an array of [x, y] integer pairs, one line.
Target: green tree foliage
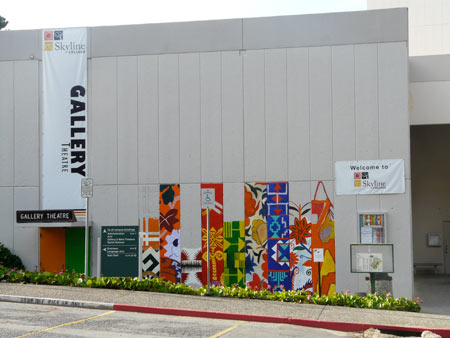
{"points": [[3, 22], [8, 259]]}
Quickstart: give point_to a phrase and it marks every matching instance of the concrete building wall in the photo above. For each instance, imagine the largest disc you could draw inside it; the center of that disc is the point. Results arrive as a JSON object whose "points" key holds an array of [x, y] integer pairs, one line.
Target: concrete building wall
{"points": [[19, 155], [429, 24], [281, 109], [429, 88]]}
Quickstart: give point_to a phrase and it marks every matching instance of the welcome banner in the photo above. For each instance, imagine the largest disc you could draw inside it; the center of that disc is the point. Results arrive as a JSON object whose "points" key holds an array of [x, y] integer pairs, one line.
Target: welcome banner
{"points": [[370, 177], [64, 117]]}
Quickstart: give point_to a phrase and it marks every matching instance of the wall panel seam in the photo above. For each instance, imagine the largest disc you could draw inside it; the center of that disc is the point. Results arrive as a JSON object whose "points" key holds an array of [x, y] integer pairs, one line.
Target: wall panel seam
{"points": [[179, 118], [14, 145], [117, 136], [378, 107], [332, 110], [221, 113], [200, 108], [137, 121], [309, 120], [354, 100], [40, 128], [242, 56], [265, 117], [287, 117], [287, 113], [355, 200], [157, 120], [378, 97]]}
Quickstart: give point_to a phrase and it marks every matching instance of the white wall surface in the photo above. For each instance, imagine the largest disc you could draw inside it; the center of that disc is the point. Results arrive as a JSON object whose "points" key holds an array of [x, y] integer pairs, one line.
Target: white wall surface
{"points": [[235, 34], [19, 155], [353, 104], [232, 116], [148, 131], [430, 102], [429, 24], [429, 87]]}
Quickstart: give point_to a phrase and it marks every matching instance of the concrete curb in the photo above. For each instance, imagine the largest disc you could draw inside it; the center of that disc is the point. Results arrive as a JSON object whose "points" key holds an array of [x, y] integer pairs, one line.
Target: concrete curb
{"points": [[338, 326], [322, 324], [56, 302]]}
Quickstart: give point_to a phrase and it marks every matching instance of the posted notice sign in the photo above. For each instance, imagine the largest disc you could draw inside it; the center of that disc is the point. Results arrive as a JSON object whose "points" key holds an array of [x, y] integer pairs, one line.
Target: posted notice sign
{"points": [[370, 177], [208, 198], [120, 251]]}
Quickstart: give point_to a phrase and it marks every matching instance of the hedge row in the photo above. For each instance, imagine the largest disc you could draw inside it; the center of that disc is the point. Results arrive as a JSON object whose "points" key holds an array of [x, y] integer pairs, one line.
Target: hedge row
{"points": [[371, 301]]}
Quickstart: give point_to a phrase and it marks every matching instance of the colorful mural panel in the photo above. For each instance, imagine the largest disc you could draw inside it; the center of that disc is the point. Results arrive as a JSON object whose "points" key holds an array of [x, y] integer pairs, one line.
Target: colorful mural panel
{"points": [[169, 222], [300, 248], [149, 228], [191, 267], [256, 269], [149, 232], [263, 251], [215, 237], [234, 253], [322, 237], [278, 236]]}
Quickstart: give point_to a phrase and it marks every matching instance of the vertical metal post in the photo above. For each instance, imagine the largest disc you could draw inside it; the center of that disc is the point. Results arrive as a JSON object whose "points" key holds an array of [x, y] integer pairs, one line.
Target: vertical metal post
{"points": [[140, 258], [207, 248], [372, 282], [320, 286], [99, 257], [86, 241]]}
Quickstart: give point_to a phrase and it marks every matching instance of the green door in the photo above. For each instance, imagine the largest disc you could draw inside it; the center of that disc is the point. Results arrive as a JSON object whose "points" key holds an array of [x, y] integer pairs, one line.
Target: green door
{"points": [[75, 250]]}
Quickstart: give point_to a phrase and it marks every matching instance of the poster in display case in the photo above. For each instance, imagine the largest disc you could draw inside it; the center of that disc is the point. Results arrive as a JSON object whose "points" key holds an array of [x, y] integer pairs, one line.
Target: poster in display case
{"points": [[372, 227], [372, 258]]}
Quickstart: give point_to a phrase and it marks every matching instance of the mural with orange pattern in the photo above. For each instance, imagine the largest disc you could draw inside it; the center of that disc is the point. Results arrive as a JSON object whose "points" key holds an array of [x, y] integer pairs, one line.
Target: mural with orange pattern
{"points": [[169, 223], [322, 237]]}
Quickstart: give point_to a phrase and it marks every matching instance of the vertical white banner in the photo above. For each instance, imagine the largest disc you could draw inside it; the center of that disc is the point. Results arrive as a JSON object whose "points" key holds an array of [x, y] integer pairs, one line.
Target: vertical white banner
{"points": [[64, 118]]}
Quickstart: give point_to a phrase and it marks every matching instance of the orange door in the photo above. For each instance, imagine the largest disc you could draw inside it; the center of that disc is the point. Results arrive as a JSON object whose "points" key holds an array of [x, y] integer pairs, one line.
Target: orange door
{"points": [[53, 249]]}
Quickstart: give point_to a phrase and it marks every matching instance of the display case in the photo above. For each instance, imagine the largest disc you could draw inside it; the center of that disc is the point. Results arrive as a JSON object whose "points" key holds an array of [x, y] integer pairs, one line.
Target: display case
{"points": [[371, 258], [372, 227]]}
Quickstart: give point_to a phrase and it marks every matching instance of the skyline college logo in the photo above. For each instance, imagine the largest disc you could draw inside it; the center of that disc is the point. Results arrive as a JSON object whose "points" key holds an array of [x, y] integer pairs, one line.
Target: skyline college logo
{"points": [[358, 177], [49, 37]]}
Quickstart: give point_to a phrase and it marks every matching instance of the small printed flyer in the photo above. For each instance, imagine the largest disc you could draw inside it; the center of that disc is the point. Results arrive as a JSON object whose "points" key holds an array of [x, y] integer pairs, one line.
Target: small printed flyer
{"points": [[369, 262]]}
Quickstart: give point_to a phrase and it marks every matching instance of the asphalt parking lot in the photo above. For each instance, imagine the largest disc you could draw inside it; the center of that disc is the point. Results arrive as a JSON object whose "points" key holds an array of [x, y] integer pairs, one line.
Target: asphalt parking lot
{"points": [[30, 320]]}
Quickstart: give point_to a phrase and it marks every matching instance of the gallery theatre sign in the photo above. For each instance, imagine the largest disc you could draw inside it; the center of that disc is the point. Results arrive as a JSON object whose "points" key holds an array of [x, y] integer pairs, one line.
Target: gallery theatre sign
{"points": [[45, 216]]}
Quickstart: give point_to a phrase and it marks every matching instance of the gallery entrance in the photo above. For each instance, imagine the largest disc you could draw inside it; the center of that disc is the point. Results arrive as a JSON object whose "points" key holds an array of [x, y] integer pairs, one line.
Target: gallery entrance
{"points": [[62, 249], [430, 175], [446, 246]]}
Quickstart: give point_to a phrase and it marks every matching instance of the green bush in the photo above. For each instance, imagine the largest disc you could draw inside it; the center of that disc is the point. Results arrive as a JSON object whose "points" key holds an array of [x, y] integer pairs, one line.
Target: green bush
{"points": [[8, 259], [372, 301]]}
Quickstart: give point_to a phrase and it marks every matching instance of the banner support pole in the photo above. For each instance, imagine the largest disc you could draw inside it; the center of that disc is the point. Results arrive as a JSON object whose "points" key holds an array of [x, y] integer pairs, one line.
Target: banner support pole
{"points": [[207, 249], [86, 241], [140, 258], [99, 257]]}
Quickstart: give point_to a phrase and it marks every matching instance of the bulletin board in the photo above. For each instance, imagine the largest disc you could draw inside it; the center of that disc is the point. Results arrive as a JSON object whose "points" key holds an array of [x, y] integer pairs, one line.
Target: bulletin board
{"points": [[372, 227]]}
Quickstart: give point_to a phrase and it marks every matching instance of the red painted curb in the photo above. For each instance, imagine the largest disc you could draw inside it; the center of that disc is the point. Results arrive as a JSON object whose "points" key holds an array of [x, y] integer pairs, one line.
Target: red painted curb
{"points": [[338, 326]]}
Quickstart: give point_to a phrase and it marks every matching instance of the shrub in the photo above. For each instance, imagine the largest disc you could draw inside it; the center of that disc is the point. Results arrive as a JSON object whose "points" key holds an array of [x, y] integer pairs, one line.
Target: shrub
{"points": [[8, 259], [371, 301]]}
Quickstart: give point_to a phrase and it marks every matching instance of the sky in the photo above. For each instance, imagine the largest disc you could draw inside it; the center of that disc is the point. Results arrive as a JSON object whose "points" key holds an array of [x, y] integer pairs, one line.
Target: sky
{"points": [[40, 14]]}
